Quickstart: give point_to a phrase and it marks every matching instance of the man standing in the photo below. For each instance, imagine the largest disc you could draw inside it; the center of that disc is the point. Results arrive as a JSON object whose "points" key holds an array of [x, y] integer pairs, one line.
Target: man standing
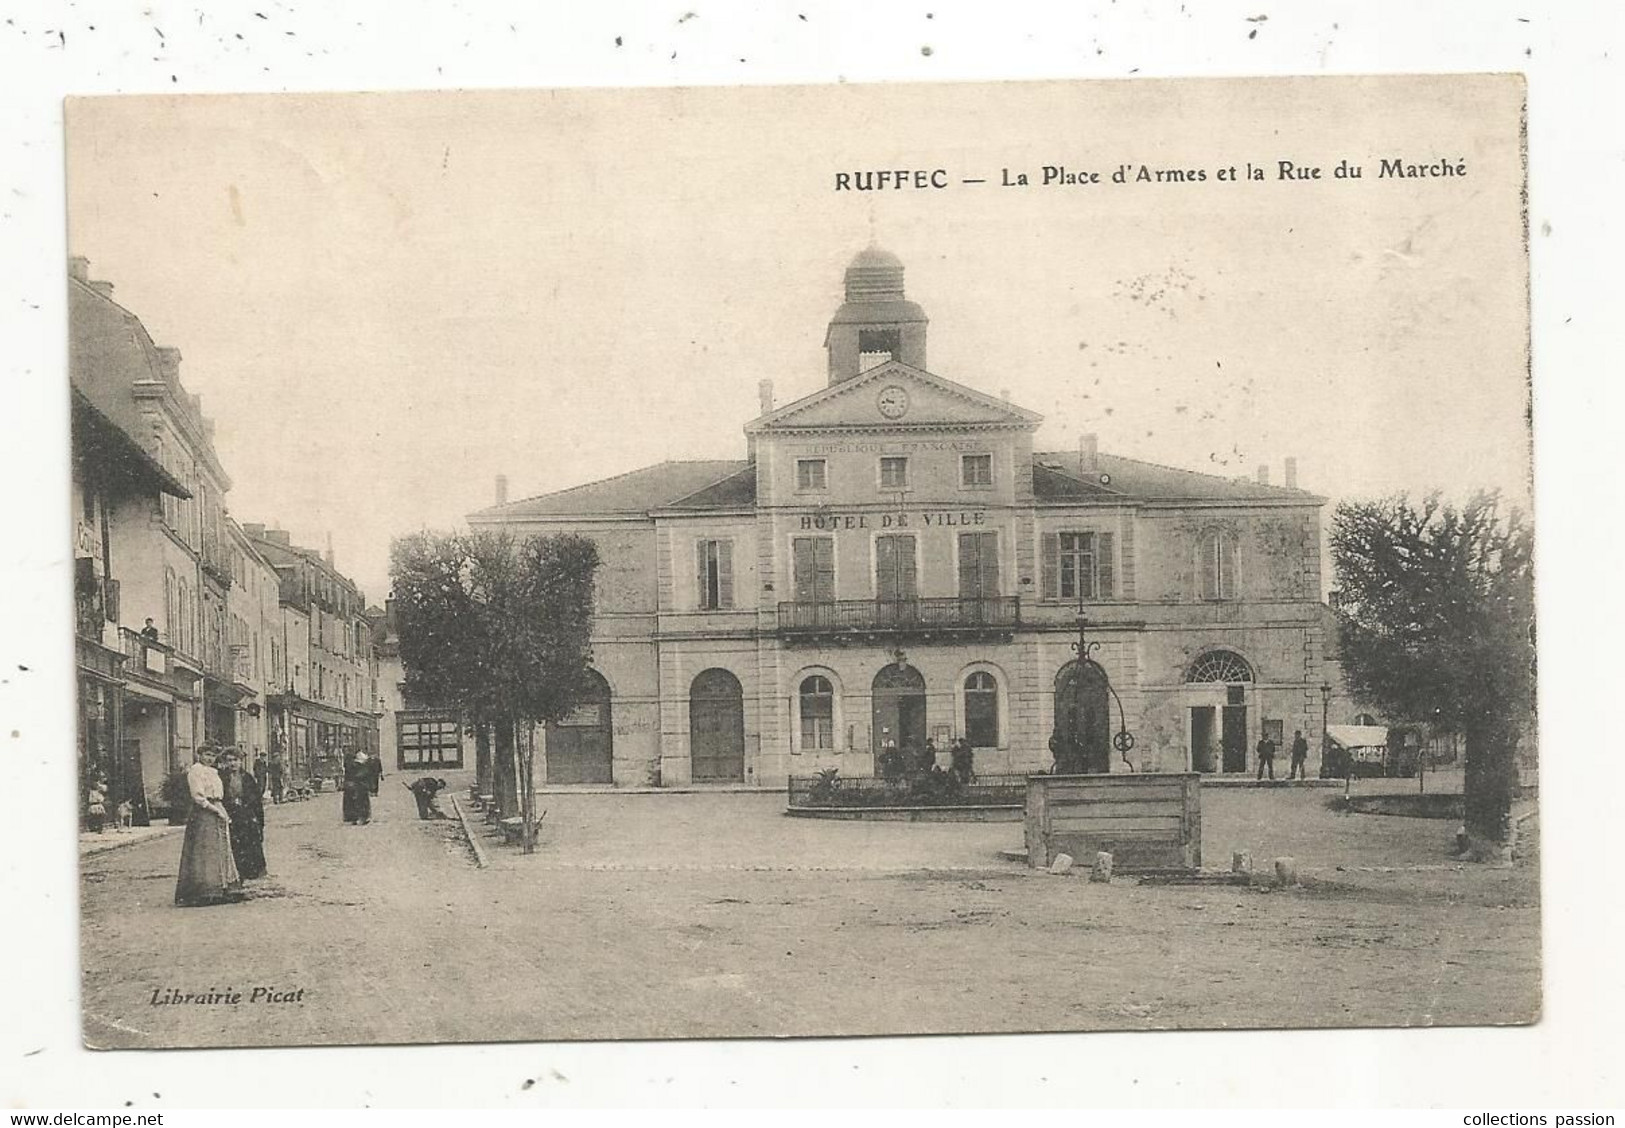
{"points": [[1266, 757], [1300, 755]]}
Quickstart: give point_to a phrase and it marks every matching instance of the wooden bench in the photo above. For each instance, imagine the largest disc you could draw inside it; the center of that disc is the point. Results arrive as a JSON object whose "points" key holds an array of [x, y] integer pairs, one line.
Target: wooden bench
{"points": [[1146, 821]]}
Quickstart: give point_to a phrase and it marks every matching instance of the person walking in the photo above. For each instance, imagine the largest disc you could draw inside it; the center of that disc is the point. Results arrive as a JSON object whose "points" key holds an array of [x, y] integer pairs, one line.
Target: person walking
{"points": [[375, 772], [208, 873], [241, 795], [276, 779], [1266, 757], [1300, 756], [358, 790]]}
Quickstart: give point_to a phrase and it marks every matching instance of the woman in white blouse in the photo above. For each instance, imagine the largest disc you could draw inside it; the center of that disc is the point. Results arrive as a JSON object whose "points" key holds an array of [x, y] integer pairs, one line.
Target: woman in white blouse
{"points": [[208, 871]]}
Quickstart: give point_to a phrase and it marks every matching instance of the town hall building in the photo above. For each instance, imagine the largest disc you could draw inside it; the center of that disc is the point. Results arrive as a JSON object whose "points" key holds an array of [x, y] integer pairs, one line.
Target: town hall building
{"points": [[894, 563]]}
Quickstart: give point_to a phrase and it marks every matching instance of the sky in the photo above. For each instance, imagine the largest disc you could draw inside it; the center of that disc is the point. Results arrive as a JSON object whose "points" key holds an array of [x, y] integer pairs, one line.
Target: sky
{"points": [[387, 300]]}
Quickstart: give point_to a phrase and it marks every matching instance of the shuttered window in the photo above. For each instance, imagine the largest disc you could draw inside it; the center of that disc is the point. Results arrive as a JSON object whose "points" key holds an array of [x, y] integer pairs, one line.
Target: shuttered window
{"points": [[715, 563], [1216, 565], [895, 569], [814, 563], [1080, 566], [978, 565]]}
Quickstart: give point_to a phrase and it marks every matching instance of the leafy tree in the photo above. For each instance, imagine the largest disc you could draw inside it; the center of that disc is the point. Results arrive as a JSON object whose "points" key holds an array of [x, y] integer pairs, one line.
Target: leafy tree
{"points": [[499, 630], [1436, 622]]}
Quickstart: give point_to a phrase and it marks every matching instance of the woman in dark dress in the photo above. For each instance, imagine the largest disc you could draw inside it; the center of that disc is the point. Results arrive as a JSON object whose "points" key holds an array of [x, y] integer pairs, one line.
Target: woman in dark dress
{"points": [[358, 790], [243, 802]]}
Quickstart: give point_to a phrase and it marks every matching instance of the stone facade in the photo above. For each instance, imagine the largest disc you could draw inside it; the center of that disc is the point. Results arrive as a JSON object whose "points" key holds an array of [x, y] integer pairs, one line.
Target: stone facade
{"points": [[894, 562]]}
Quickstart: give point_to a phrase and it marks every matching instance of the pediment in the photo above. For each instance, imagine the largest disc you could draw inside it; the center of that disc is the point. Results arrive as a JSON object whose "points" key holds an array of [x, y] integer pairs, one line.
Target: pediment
{"points": [[894, 394]]}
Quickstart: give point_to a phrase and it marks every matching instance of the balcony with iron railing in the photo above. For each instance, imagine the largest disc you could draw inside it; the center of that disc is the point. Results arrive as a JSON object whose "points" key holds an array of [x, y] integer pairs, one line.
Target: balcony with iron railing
{"points": [[946, 618]]}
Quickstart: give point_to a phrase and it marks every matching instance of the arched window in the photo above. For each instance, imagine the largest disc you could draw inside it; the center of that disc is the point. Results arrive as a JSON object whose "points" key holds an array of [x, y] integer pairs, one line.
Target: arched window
{"points": [[1216, 565], [171, 608], [184, 612], [982, 710], [1219, 666], [817, 713]]}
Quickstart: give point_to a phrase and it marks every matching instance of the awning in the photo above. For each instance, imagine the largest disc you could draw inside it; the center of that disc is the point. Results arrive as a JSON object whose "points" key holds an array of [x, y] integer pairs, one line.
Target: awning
{"points": [[310, 710], [1358, 736]]}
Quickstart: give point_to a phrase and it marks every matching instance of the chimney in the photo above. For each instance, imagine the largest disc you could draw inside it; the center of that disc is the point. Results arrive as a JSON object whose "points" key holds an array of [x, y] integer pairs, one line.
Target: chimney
{"points": [[764, 393], [169, 363], [1004, 394], [1289, 470], [105, 289], [328, 555], [79, 268], [1264, 475], [252, 530], [1088, 454], [502, 489], [279, 536]]}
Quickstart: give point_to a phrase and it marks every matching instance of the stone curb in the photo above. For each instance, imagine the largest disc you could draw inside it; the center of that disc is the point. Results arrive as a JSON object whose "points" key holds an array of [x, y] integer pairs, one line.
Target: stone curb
{"points": [[122, 843], [481, 860]]}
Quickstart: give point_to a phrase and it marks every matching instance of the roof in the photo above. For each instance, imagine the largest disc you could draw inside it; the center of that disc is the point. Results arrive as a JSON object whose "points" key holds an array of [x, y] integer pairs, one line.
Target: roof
{"points": [[115, 451], [714, 485], [1358, 736], [635, 492], [1058, 478], [110, 351], [887, 311], [875, 258]]}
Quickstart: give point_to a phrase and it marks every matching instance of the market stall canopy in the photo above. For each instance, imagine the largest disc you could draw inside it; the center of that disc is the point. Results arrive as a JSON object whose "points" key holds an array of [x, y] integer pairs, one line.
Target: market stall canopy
{"points": [[1358, 736]]}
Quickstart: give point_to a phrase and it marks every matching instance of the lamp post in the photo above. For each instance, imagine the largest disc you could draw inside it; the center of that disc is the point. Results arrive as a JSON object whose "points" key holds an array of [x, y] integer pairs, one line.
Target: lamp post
{"points": [[1325, 738]]}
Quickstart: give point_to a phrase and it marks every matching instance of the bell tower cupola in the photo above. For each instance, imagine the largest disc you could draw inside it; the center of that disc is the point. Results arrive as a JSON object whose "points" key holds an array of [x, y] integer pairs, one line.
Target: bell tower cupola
{"points": [[875, 323]]}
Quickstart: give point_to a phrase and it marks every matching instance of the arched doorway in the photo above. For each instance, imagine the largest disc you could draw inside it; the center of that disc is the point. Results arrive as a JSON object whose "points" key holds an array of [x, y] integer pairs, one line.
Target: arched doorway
{"points": [[1083, 713], [1216, 689], [716, 727], [581, 748], [899, 707]]}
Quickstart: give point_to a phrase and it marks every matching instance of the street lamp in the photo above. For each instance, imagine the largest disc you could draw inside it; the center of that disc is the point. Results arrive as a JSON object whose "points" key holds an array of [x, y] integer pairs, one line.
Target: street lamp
{"points": [[1326, 737]]}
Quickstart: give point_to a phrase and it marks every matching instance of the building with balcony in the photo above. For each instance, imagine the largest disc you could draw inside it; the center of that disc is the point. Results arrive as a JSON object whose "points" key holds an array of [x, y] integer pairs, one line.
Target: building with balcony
{"points": [[147, 482], [322, 700], [893, 562]]}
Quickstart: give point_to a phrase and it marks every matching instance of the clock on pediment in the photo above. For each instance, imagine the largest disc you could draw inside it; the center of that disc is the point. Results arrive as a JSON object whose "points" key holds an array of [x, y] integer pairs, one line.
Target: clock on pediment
{"points": [[892, 401]]}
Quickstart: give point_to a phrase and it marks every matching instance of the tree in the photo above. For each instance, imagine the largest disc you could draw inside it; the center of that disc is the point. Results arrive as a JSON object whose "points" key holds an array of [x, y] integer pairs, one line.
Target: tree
{"points": [[499, 630], [1435, 617]]}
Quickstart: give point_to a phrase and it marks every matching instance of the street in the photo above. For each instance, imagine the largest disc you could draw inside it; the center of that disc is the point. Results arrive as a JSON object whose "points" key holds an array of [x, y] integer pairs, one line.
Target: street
{"points": [[713, 915]]}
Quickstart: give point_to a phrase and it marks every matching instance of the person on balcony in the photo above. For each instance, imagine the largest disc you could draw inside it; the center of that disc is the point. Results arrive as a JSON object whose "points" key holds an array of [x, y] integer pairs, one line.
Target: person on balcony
{"points": [[149, 632]]}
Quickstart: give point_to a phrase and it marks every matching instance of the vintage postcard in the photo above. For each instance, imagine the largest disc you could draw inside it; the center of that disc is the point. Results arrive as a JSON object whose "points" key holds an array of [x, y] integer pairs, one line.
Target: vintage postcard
{"points": [[805, 561]]}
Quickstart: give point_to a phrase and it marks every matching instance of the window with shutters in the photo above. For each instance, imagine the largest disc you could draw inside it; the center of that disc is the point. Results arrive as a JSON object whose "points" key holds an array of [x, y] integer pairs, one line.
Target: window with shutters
{"points": [[716, 574], [978, 565], [1215, 561], [895, 578], [812, 474], [894, 473], [975, 470], [814, 569], [817, 713], [1080, 566]]}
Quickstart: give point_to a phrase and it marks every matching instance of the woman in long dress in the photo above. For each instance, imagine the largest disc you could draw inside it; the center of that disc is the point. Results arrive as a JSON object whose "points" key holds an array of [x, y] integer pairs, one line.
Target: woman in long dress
{"points": [[246, 808], [208, 871], [357, 790]]}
